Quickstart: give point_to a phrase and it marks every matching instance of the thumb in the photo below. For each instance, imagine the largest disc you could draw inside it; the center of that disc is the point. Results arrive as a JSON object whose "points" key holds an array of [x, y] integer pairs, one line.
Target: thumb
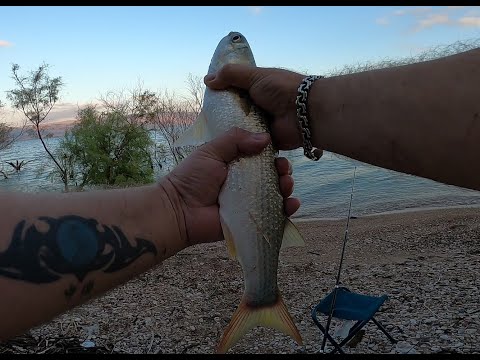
{"points": [[236, 75], [236, 143]]}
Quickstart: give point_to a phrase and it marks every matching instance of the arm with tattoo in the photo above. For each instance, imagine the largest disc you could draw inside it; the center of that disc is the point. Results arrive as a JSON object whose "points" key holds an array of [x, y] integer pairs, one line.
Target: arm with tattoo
{"points": [[58, 250]]}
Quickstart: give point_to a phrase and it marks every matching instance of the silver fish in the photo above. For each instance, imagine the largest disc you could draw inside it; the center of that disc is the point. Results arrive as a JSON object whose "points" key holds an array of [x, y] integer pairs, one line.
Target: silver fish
{"points": [[251, 207]]}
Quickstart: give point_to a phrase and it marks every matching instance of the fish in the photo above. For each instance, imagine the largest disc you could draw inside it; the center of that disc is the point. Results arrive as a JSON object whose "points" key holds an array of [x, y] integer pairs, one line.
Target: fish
{"points": [[251, 210]]}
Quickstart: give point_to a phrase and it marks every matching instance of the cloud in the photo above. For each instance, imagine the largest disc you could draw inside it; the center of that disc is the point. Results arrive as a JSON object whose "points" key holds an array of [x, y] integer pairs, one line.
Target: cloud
{"points": [[4, 43], [414, 11], [255, 10], [475, 11], [432, 20], [382, 21], [469, 21], [426, 17]]}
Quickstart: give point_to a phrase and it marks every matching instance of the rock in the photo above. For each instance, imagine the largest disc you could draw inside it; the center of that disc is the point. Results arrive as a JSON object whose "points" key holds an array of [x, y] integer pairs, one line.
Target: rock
{"points": [[403, 347], [87, 344]]}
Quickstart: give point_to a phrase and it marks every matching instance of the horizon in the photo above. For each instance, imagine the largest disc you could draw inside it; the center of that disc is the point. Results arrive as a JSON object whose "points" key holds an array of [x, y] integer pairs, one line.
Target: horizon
{"points": [[113, 48]]}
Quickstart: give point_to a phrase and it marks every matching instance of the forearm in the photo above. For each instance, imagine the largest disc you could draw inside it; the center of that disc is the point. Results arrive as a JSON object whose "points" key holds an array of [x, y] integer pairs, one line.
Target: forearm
{"points": [[59, 250], [422, 119]]}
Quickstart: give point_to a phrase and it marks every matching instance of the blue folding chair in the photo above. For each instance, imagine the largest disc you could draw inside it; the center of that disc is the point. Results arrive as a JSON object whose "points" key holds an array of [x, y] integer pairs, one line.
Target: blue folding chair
{"points": [[344, 304]]}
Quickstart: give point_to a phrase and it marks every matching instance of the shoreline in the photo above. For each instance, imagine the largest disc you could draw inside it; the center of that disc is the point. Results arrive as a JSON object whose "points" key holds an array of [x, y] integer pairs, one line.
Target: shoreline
{"points": [[388, 212]]}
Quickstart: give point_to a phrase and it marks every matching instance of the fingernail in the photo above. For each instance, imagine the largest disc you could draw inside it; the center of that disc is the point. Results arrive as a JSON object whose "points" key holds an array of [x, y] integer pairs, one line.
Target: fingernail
{"points": [[261, 136], [210, 77]]}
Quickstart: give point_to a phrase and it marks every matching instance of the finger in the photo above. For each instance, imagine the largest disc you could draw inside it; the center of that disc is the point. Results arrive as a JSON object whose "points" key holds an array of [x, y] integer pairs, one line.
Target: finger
{"points": [[291, 205], [237, 75], [284, 167], [286, 185], [236, 143]]}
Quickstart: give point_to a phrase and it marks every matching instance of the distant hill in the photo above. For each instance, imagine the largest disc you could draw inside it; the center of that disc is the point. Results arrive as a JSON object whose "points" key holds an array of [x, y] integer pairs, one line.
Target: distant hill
{"points": [[56, 128]]}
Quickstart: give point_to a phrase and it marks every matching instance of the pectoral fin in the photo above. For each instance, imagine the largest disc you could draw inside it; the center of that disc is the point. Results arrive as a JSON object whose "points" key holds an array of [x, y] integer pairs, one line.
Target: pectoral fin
{"points": [[291, 235], [197, 134]]}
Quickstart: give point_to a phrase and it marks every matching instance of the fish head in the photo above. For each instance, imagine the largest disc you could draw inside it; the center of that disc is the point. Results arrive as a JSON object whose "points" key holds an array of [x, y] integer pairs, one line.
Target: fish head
{"points": [[232, 49]]}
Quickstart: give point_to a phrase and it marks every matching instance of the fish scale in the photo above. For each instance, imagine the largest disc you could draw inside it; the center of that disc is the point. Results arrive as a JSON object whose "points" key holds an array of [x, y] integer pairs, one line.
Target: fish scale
{"points": [[265, 230]]}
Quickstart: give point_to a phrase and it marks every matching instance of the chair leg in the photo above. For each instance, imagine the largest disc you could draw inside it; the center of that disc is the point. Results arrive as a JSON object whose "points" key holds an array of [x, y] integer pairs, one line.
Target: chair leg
{"points": [[380, 326], [328, 336], [353, 331]]}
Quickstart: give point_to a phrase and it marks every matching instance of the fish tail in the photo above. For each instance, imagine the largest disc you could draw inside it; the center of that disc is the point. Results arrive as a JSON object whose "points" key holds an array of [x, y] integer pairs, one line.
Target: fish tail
{"points": [[247, 317]]}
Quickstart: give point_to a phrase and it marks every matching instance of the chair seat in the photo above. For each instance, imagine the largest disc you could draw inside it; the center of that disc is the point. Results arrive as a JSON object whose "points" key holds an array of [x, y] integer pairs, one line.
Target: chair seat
{"points": [[350, 305]]}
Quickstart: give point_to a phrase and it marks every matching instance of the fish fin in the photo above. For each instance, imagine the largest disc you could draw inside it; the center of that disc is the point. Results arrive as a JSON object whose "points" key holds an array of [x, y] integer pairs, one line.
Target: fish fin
{"points": [[227, 234], [259, 230], [247, 317], [291, 235], [198, 133]]}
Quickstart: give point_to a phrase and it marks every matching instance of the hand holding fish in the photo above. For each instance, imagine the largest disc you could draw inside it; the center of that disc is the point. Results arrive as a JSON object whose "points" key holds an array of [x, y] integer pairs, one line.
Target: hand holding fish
{"points": [[274, 90], [420, 119], [199, 179]]}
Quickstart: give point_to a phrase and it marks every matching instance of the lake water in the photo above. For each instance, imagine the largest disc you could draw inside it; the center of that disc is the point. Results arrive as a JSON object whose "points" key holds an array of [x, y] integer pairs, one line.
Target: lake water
{"points": [[323, 187]]}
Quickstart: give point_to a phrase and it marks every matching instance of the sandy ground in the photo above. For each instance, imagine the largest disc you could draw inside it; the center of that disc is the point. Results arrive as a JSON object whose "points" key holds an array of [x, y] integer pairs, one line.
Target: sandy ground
{"points": [[427, 262]]}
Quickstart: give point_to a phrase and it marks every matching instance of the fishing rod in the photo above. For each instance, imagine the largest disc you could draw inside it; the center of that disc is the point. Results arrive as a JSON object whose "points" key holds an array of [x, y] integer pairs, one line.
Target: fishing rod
{"points": [[337, 283]]}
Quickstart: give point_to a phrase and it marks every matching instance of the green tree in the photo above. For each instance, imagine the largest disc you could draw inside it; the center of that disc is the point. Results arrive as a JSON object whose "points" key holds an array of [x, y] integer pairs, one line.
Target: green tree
{"points": [[165, 114], [35, 95], [108, 148]]}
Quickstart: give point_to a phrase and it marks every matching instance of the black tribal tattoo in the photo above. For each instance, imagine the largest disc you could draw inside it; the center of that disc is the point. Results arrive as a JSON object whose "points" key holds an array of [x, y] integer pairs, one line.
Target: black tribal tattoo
{"points": [[71, 245]]}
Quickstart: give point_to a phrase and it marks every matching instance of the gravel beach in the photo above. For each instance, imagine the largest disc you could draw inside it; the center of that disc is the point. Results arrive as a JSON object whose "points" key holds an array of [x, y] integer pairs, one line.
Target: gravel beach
{"points": [[427, 262]]}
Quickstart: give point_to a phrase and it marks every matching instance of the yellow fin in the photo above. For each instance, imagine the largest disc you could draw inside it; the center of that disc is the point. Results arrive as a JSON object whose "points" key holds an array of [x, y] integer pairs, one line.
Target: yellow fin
{"points": [[291, 235], [247, 317], [198, 133], [227, 234]]}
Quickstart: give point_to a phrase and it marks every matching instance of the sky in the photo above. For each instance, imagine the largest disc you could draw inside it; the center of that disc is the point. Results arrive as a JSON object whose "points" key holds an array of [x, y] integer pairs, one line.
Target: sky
{"points": [[100, 49]]}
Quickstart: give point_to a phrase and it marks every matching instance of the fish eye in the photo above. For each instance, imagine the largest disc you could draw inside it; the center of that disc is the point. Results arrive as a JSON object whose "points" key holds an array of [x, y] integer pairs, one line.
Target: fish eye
{"points": [[236, 38]]}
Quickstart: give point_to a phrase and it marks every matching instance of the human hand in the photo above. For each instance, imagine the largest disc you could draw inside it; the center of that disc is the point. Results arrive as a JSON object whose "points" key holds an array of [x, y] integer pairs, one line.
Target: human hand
{"points": [[274, 90], [199, 178]]}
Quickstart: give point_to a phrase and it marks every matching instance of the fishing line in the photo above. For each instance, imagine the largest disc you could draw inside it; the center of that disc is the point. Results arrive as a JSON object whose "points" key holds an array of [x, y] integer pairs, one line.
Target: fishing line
{"points": [[337, 283]]}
